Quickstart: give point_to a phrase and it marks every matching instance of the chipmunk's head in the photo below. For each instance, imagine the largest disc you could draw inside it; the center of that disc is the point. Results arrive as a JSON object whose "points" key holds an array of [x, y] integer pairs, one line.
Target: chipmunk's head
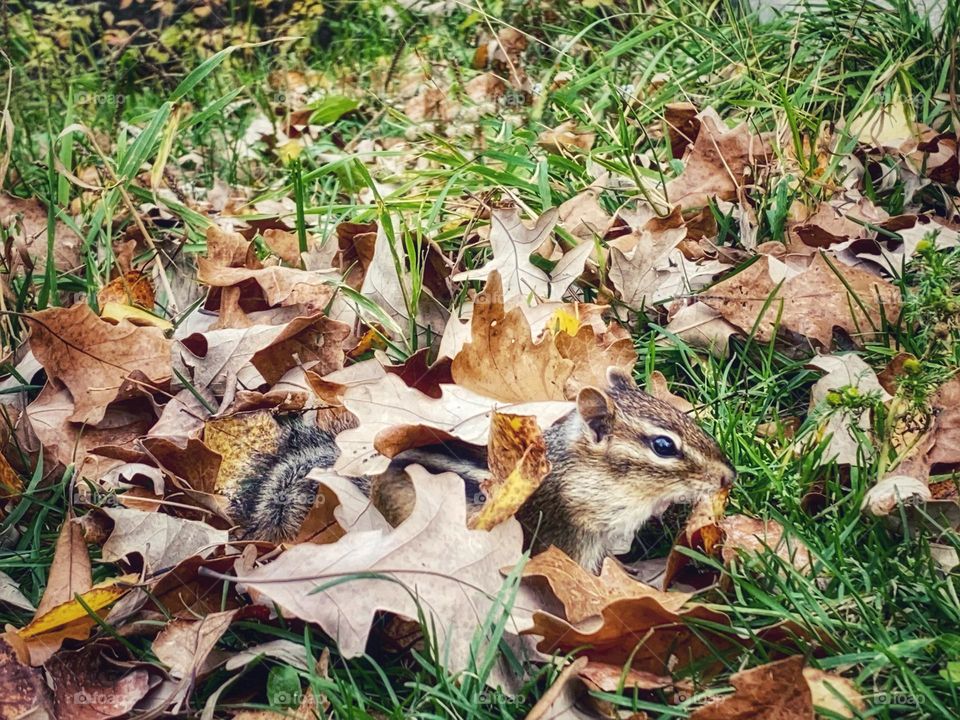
{"points": [[636, 455]]}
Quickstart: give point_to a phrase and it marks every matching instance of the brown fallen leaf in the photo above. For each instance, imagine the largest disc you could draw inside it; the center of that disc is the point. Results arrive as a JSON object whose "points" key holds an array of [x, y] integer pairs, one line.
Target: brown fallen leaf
{"points": [[185, 646], [96, 361], [559, 702], [26, 222], [237, 438], [681, 125], [162, 541], [583, 217], [24, 692], [775, 691], [464, 573], [130, 288], [502, 361], [811, 303], [272, 286], [701, 326], [842, 372], [717, 162], [517, 456], [86, 686], [701, 532], [566, 138], [752, 536], [70, 572], [608, 614]]}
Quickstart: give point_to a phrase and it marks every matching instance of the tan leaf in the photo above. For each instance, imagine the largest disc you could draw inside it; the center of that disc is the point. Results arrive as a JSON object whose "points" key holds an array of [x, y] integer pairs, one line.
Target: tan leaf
{"points": [[98, 362], [775, 691], [583, 217], [184, 645], [87, 687], [513, 243], [811, 303], [751, 536], [161, 540], [843, 371], [566, 138], [701, 326], [502, 361], [278, 286], [717, 164], [682, 126], [517, 456], [131, 288], [464, 572], [70, 573], [26, 222], [825, 687], [314, 341]]}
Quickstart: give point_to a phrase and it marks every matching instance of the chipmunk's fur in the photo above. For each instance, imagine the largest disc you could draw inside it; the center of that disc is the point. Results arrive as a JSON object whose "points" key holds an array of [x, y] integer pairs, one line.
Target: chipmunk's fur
{"points": [[608, 475]]}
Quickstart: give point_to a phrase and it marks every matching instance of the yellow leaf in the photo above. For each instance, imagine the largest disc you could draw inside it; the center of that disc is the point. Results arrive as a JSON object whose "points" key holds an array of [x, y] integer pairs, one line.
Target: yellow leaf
{"points": [[518, 464], [563, 321], [115, 312], [96, 598]]}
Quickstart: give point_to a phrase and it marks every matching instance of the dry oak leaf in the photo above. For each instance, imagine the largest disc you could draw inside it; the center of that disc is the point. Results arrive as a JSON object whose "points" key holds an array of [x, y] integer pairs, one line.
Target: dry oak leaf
{"points": [[843, 371], [566, 138], [131, 288], [517, 455], [617, 618], [640, 263], [717, 162], [775, 691], [163, 541], [67, 442], [23, 689], [433, 563], [97, 361], [236, 439], [70, 572], [703, 327], [25, 220], [502, 361], [184, 645], [280, 286], [393, 418], [811, 303], [513, 243], [86, 686], [751, 536]]}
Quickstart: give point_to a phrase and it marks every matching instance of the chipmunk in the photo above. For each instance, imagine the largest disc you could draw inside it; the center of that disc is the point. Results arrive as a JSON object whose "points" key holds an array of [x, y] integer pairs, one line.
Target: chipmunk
{"points": [[619, 459]]}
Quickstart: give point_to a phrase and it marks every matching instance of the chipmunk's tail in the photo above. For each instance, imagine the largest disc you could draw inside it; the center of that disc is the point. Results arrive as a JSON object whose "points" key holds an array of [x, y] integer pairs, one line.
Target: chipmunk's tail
{"points": [[273, 499]]}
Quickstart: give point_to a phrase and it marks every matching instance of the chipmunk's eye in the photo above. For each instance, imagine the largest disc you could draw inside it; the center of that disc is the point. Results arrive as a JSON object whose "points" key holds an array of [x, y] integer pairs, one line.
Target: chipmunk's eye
{"points": [[664, 446]]}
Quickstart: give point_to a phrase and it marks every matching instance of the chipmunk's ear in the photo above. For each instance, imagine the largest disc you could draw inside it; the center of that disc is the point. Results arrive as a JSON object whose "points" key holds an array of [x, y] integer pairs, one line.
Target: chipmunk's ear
{"points": [[597, 411], [617, 379]]}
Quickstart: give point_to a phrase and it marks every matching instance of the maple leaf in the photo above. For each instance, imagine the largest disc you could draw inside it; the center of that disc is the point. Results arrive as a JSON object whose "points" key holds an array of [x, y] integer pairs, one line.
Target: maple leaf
{"points": [[431, 563], [513, 243], [97, 361]]}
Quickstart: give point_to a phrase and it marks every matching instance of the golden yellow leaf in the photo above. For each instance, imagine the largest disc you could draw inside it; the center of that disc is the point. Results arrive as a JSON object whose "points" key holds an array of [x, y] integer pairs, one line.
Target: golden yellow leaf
{"points": [[115, 312], [97, 598], [518, 463]]}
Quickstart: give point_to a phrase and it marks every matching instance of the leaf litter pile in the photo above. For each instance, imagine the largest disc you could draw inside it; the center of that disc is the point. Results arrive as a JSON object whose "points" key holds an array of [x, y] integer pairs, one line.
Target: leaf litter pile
{"points": [[147, 399]]}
